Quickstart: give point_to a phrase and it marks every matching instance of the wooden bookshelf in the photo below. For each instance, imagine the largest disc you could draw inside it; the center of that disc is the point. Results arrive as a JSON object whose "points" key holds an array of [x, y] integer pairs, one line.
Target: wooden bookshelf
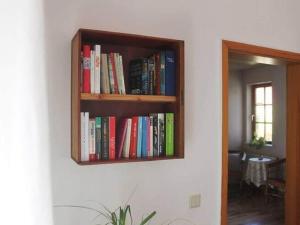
{"points": [[130, 46]]}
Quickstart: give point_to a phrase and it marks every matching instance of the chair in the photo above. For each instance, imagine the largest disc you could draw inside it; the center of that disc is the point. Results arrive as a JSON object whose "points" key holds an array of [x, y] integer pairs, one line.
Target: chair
{"points": [[275, 184]]}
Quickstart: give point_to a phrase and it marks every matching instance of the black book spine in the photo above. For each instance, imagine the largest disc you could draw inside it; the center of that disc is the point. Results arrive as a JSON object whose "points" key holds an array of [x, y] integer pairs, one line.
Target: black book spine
{"points": [[98, 137], [105, 138], [151, 70], [155, 135], [145, 78], [161, 125]]}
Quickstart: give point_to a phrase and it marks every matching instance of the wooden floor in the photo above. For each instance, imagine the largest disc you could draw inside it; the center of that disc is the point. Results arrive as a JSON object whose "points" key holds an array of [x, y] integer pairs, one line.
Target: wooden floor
{"points": [[250, 208]]}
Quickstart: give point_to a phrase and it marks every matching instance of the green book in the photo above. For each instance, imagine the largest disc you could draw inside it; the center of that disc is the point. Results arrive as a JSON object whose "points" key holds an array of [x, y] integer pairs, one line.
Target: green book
{"points": [[169, 134], [98, 137]]}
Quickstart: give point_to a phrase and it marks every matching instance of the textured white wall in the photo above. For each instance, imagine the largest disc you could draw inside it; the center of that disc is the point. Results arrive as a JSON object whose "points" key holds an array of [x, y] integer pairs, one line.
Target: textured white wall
{"points": [[163, 186], [235, 108]]}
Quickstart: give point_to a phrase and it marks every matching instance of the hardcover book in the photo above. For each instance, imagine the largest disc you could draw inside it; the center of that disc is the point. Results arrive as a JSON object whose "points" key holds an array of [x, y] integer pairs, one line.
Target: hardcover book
{"points": [[105, 138], [133, 137], [86, 69], [82, 137], [86, 136], [92, 140], [169, 134], [111, 75], [170, 73], [121, 137], [162, 73], [105, 86], [97, 50], [144, 137], [92, 71], [155, 134], [127, 139], [161, 134], [112, 137], [98, 137], [157, 74], [139, 137], [114, 72]]}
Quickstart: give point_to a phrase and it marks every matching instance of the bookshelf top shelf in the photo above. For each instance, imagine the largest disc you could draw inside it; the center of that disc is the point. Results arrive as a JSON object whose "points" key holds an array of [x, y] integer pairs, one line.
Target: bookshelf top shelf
{"points": [[127, 98]]}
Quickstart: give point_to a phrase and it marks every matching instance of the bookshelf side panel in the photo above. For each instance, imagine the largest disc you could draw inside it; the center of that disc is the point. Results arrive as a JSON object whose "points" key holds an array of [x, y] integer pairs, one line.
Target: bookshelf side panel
{"points": [[75, 97]]}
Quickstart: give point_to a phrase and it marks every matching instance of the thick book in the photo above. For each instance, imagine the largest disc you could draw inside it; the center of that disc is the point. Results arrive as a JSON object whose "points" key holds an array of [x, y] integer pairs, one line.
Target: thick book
{"points": [[135, 75], [81, 72], [97, 50], [161, 134], [82, 137], [119, 72], [121, 68], [121, 137], [157, 74], [110, 74], [86, 69], [104, 78], [169, 134], [144, 136], [155, 134], [170, 76], [139, 137], [92, 71], [127, 139], [86, 136], [92, 140], [162, 73], [133, 137], [98, 137], [112, 137], [114, 72], [105, 138], [151, 74], [150, 136]]}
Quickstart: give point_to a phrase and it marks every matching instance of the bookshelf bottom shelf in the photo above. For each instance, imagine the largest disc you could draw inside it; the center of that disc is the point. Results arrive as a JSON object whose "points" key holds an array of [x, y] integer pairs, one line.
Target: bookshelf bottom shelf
{"points": [[128, 160]]}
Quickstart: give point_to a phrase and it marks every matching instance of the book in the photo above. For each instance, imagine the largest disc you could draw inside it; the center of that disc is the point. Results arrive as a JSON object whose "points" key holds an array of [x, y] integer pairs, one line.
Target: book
{"points": [[121, 137], [123, 88], [98, 137], [92, 80], [86, 69], [82, 137], [144, 137], [170, 75], [157, 74], [112, 137], [97, 50], [135, 76], [86, 136], [161, 134], [169, 134], [145, 77], [81, 72], [119, 73], [139, 137], [151, 74], [150, 136], [104, 78], [155, 134], [114, 72], [105, 138], [111, 75], [133, 138], [127, 139], [92, 140], [162, 73]]}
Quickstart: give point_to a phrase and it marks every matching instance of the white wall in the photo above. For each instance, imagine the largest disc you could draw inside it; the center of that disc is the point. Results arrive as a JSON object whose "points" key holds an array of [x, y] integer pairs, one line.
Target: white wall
{"points": [[163, 186], [235, 110], [277, 75]]}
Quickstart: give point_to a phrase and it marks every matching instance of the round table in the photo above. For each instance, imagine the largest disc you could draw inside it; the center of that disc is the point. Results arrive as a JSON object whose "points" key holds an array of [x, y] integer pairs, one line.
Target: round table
{"points": [[256, 172]]}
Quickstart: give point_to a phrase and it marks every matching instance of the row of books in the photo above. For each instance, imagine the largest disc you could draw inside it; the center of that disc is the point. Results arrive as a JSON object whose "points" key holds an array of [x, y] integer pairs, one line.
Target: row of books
{"points": [[154, 75], [137, 137], [101, 72]]}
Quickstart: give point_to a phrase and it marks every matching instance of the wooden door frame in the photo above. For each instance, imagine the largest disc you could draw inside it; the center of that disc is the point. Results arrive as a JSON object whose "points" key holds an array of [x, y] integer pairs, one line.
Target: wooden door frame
{"points": [[291, 175]]}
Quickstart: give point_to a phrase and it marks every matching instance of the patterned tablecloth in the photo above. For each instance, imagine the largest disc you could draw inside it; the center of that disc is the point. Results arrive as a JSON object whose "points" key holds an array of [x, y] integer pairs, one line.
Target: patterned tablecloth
{"points": [[256, 171]]}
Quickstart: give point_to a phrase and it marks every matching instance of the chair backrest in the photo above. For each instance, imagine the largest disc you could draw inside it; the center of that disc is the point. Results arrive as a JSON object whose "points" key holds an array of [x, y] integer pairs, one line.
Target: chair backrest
{"points": [[275, 169]]}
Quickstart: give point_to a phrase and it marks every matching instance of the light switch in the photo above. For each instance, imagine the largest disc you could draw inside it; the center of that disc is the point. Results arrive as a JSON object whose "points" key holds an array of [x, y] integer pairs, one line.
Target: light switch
{"points": [[195, 201]]}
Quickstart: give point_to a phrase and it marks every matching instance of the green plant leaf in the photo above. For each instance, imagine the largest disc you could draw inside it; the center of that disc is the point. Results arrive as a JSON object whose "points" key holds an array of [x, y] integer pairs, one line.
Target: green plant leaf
{"points": [[148, 218]]}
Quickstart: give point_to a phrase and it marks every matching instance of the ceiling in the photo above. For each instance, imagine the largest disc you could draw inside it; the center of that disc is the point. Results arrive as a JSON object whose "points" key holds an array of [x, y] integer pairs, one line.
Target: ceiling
{"points": [[239, 61]]}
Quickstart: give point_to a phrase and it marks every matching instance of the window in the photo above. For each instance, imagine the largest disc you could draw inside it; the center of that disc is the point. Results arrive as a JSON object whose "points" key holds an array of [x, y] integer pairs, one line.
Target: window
{"points": [[262, 111]]}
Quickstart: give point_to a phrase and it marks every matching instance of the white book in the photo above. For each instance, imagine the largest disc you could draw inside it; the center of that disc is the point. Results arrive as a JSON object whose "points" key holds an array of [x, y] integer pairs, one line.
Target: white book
{"points": [[92, 72], [86, 136], [97, 50], [82, 136], [92, 138], [104, 75], [127, 139], [123, 90], [151, 136]]}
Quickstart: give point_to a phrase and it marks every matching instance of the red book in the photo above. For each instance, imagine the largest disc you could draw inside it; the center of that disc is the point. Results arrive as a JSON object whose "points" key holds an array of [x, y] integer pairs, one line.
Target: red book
{"points": [[157, 74], [133, 137], [86, 69], [112, 137], [148, 136], [121, 137], [114, 70]]}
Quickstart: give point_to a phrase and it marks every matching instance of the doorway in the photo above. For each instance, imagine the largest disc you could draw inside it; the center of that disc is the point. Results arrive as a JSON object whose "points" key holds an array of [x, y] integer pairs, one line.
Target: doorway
{"points": [[292, 61]]}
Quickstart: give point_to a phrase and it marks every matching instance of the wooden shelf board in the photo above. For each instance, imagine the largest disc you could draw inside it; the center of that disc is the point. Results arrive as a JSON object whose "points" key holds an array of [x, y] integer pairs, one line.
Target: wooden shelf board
{"points": [[127, 98], [128, 160]]}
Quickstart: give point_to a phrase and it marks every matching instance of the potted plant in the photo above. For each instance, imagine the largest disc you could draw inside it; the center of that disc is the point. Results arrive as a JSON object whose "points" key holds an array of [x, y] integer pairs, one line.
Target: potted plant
{"points": [[257, 142]]}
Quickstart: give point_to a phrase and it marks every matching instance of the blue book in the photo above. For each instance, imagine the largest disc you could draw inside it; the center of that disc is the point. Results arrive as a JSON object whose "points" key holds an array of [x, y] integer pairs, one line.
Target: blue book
{"points": [[145, 77], [162, 73], [144, 136], [170, 76], [139, 138]]}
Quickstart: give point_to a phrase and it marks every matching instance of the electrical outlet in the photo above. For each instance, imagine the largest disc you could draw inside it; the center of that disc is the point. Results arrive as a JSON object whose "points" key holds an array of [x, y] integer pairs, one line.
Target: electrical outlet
{"points": [[195, 201]]}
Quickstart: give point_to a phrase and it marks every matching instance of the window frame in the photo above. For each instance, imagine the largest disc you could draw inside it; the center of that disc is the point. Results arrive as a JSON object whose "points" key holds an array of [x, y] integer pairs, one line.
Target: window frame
{"points": [[253, 108]]}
